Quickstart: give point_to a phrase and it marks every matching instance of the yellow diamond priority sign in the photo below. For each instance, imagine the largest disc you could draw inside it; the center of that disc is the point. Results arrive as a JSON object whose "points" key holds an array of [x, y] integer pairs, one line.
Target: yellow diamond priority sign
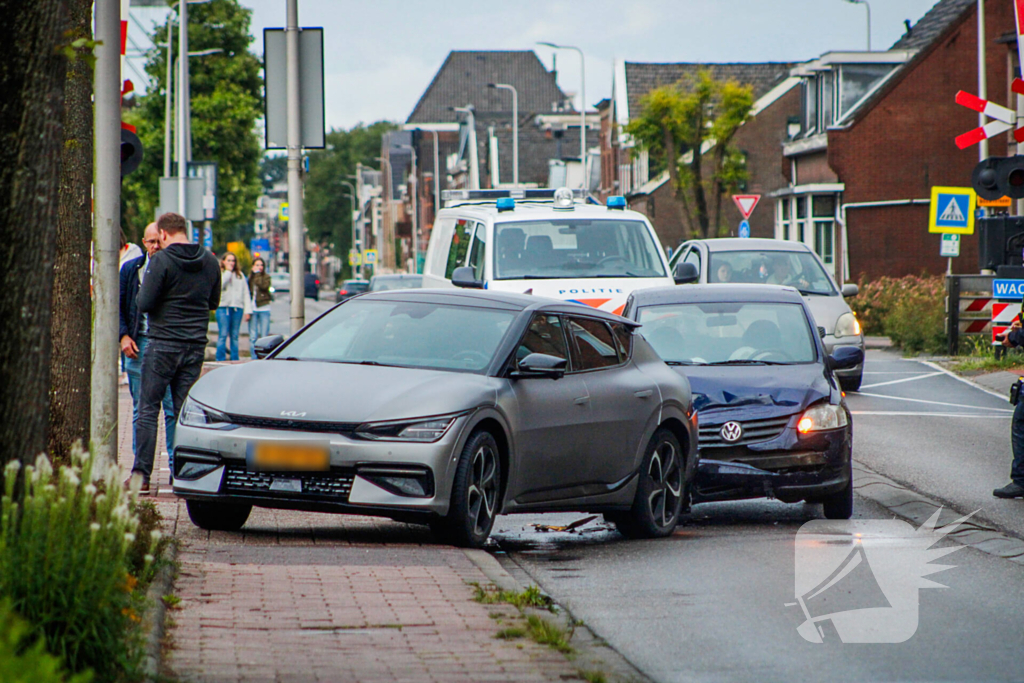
{"points": [[952, 210]]}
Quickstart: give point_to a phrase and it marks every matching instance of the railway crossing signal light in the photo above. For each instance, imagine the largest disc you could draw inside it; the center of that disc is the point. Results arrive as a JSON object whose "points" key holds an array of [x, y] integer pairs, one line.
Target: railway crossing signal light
{"points": [[998, 177], [131, 151]]}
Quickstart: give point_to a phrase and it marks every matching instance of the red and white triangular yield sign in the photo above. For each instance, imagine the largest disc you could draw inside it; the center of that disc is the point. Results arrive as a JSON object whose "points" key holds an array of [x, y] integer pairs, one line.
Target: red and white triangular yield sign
{"points": [[746, 203]]}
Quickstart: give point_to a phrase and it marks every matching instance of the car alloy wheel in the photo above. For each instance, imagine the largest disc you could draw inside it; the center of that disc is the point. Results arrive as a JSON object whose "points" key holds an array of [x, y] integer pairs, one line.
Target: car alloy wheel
{"points": [[476, 494], [660, 490], [666, 476]]}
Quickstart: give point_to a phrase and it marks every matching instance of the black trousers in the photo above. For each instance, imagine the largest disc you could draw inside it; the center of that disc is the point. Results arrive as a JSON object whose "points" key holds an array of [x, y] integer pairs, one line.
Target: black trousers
{"points": [[165, 364]]}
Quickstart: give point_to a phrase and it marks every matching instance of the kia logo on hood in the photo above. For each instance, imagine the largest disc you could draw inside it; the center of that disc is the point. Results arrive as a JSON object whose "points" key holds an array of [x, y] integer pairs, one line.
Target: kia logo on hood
{"points": [[292, 413]]}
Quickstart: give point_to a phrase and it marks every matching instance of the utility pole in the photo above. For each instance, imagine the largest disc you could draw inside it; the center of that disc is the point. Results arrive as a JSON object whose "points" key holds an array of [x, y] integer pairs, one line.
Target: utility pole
{"points": [[515, 128], [167, 100], [982, 80], [296, 232], [183, 106], [106, 227]]}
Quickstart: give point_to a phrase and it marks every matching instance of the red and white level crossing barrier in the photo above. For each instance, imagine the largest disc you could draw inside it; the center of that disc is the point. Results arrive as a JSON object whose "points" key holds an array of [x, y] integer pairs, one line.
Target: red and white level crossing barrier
{"points": [[1005, 119], [1002, 317]]}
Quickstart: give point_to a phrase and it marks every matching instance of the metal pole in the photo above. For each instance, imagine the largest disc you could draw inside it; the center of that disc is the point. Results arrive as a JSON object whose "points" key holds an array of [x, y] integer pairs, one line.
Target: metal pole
{"points": [[107, 225], [437, 178], [352, 198], [515, 130], [868, 7], [167, 101], [296, 236], [982, 86], [183, 105], [415, 214], [583, 118], [387, 243]]}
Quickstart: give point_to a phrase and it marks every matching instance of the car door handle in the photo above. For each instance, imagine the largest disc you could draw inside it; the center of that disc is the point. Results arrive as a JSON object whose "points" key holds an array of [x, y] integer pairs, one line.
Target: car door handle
{"points": [[646, 393], [582, 400]]}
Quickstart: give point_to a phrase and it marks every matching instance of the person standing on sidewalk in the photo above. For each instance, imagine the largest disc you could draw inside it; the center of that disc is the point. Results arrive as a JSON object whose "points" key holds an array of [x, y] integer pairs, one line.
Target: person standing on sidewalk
{"points": [[134, 334], [1015, 489], [235, 301], [259, 288], [179, 289]]}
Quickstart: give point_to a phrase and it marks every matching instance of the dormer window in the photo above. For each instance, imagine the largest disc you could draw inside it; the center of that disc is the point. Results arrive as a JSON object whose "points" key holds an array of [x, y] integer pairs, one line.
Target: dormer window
{"points": [[835, 85]]}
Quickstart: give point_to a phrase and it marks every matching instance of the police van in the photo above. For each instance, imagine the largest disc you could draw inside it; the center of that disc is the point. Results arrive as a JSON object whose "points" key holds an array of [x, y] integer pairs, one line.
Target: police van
{"points": [[547, 243]]}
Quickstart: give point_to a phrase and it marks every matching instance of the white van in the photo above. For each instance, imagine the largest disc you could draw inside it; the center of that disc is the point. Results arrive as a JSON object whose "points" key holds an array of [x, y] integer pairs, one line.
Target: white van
{"points": [[547, 243]]}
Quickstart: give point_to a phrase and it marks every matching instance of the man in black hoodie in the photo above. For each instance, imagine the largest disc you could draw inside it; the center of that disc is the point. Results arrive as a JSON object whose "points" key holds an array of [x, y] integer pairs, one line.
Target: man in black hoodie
{"points": [[180, 287]]}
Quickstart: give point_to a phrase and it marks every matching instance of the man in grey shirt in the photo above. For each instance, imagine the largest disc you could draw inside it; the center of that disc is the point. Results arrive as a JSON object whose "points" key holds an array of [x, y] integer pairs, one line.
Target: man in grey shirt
{"points": [[179, 289]]}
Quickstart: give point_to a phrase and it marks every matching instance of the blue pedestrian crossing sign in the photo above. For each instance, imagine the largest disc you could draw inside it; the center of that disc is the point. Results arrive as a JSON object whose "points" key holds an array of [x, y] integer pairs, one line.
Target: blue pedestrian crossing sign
{"points": [[744, 229], [952, 210]]}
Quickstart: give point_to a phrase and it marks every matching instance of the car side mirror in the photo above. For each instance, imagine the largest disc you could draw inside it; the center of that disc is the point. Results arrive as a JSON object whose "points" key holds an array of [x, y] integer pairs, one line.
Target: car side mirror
{"points": [[685, 273], [850, 290], [465, 277], [264, 345], [821, 332], [845, 357], [541, 365]]}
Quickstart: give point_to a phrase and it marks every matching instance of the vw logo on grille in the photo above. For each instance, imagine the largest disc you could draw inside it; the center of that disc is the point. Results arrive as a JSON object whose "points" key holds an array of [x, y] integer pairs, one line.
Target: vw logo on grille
{"points": [[731, 432]]}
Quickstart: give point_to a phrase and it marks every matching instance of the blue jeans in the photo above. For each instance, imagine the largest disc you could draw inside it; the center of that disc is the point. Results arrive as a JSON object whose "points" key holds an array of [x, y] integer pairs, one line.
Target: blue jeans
{"points": [[229, 321], [259, 326], [133, 366], [1017, 441]]}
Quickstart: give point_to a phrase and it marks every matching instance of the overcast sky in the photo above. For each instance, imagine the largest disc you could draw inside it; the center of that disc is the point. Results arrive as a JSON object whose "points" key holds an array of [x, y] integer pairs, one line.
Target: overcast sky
{"points": [[380, 56]]}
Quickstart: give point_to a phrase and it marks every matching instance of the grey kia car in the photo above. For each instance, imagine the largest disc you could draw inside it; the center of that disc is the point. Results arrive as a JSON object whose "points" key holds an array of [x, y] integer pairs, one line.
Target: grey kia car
{"points": [[446, 407]]}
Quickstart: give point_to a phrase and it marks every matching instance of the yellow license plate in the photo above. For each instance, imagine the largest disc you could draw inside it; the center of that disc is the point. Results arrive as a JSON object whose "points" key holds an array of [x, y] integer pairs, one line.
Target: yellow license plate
{"points": [[280, 457]]}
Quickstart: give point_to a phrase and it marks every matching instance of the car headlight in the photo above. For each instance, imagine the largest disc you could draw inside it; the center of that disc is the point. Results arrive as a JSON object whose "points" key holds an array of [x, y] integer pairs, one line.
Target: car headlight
{"points": [[423, 431], [820, 417], [847, 326], [195, 414]]}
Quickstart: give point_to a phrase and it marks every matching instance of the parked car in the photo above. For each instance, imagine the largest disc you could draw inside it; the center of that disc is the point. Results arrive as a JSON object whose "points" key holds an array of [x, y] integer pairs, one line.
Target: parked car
{"points": [[381, 283], [349, 288], [470, 405], [280, 282], [783, 262], [545, 242], [311, 285], [773, 421]]}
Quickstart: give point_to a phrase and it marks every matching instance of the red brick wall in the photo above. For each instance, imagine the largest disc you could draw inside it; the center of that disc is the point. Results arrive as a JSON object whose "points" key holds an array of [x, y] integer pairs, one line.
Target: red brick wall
{"points": [[904, 145], [814, 168], [761, 139]]}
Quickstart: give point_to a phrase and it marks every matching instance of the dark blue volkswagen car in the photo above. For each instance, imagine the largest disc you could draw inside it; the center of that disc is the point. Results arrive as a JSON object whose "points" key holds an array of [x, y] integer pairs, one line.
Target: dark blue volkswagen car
{"points": [[772, 419]]}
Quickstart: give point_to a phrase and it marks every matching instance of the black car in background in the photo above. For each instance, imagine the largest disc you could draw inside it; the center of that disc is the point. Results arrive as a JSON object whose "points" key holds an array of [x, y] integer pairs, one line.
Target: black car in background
{"points": [[311, 285], [773, 422], [349, 288]]}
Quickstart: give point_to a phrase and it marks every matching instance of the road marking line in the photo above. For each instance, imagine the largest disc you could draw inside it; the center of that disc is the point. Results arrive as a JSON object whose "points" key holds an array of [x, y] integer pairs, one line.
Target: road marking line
{"points": [[893, 372], [915, 413], [957, 377], [900, 381], [935, 403]]}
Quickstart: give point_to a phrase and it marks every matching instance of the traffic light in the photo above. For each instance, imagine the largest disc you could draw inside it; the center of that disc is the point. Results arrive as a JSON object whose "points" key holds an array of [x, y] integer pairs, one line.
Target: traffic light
{"points": [[131, 151], [998, 177]]}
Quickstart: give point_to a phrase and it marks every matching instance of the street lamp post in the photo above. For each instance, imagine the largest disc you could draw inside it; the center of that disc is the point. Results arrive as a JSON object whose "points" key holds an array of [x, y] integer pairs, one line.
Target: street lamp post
{"points": [[868, 8], [583, 104], [353, 200], [389, 239], [515, 128], [474, 162]]}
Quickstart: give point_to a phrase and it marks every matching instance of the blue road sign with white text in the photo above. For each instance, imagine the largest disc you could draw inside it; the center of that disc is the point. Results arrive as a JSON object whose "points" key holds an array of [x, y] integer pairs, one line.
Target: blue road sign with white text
{"points": [[744, 228], [1008, 289]]}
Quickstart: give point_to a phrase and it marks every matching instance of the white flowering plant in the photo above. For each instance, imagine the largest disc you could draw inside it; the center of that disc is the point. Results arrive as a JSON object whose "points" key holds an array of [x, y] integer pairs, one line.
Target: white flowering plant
{"points": [[74, 560]]}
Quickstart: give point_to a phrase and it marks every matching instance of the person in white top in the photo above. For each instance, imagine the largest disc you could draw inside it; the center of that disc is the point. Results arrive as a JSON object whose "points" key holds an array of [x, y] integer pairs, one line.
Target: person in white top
{"points": [[235, 302]]}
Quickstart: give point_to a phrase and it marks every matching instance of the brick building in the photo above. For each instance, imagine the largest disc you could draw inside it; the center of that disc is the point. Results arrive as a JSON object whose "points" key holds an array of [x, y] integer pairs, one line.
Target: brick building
{"points": [[876, 133]]}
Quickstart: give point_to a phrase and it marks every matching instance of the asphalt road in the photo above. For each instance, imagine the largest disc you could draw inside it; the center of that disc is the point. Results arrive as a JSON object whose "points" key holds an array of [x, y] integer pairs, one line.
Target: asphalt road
{"points": [[280, 311], [717, 600]]}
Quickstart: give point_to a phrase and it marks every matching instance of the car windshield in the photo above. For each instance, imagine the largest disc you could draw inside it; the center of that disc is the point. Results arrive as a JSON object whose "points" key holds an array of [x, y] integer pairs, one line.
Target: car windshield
{"points": [[405, 334], [381, 284], [793, 268], [729, 333], [355, 285], [575, 248]]}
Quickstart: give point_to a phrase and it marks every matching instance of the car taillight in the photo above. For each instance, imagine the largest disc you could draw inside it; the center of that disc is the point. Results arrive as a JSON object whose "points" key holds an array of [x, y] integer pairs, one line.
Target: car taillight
{"points": [[317, 283], [343, 292]]}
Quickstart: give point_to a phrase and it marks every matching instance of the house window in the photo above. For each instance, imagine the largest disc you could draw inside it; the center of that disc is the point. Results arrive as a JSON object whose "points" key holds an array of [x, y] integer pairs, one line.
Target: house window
{"points": [[810, 105], [784, 218], [827, 100], [823, 213], [801, 218], [857, 80]]}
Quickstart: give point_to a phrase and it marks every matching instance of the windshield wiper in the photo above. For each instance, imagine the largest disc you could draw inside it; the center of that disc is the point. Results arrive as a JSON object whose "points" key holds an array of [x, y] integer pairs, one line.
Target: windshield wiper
{"points": [[286, 358], [683, 362], [811, 292], [747, 361], [628, 273]]}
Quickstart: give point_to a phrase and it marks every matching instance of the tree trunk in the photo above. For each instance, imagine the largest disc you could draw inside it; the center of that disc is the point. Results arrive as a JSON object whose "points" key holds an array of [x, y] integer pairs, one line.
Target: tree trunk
{"points": [[72, 327], [699, 196], [672, 157], [32, 73], [719, 188]]}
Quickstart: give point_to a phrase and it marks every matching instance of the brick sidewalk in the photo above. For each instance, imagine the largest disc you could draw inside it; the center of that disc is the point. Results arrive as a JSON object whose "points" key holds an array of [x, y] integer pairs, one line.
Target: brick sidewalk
{"points": [[335, 598]]}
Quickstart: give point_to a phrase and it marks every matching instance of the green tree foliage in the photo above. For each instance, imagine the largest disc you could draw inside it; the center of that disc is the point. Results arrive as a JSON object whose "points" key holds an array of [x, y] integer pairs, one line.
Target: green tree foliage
{"points": [[226, 104], [699, 116], [328, 211]]}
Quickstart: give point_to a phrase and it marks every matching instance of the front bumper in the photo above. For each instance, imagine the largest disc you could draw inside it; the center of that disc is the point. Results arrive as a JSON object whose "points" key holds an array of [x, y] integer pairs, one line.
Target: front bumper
{"points": [[346, 487], [791, 467]]}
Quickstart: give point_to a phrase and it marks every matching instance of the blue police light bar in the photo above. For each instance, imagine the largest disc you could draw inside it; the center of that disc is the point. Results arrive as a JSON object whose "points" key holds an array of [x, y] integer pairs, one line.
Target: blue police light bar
{"points": [[505, 204], [451, 197], [616, 201]]}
